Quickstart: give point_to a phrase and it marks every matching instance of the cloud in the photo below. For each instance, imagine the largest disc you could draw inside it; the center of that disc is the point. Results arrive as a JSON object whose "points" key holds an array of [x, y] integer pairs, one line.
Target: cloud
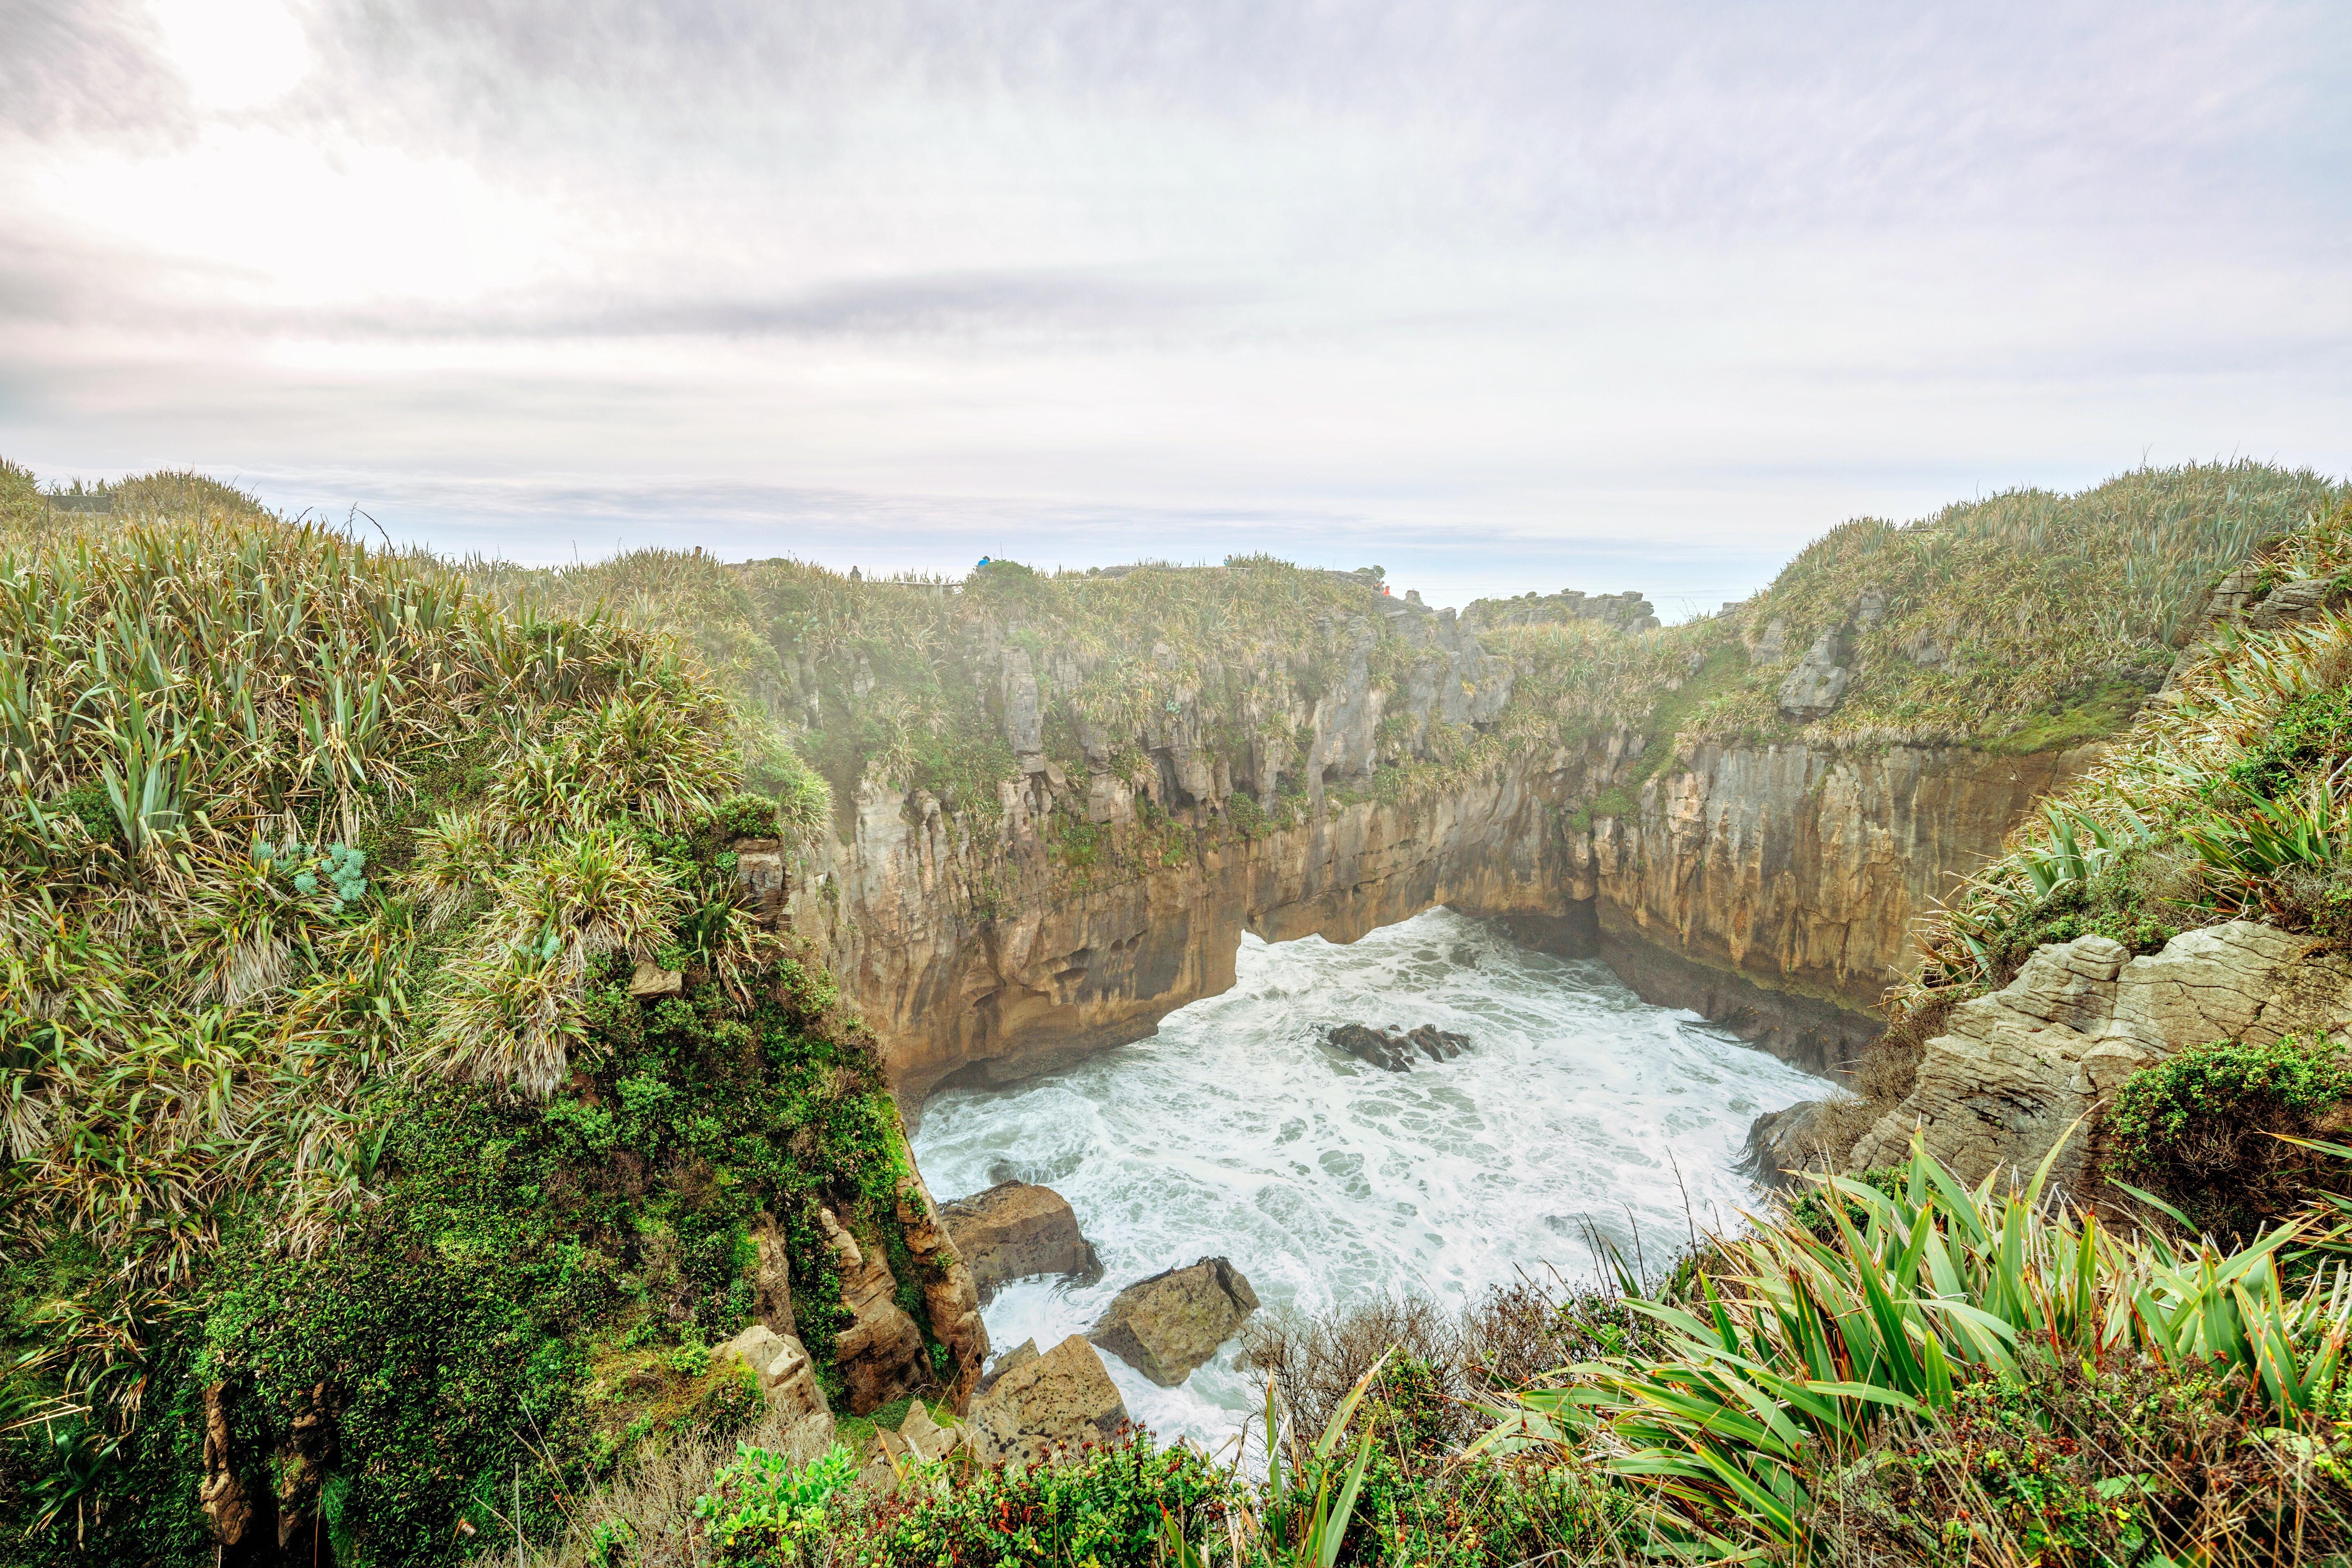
{"points": [[1522, 286]]}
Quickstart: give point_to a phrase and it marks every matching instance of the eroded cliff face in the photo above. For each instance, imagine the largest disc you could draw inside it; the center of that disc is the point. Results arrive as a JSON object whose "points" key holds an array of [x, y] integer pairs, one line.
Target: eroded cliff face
{"points": [[1770, 887], [989, 960], [1773, 889]]}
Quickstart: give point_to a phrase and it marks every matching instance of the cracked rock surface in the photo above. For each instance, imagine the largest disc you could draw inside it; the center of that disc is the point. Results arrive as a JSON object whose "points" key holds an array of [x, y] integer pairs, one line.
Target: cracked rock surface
{"points": [[2016, 1070]]}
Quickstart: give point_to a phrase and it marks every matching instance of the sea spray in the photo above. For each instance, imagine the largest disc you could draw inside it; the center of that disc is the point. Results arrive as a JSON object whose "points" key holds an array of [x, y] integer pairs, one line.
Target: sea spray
{"points": [[1235, 1130]]}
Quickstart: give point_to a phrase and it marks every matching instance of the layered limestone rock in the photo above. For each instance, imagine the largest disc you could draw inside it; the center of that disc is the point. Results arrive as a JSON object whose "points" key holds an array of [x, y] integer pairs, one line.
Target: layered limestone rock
{"points": [[2020, 1069], [880, 1354], [788, 1381], [1052, 971], [950, 1295], [1016, 1230], [1774, 889], [1044, 1406], [1167, 1325]]}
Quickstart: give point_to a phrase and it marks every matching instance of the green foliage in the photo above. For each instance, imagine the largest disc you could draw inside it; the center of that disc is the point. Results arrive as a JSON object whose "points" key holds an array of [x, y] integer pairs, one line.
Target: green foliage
{"points": [[2204, 1128], [1110, 1507], [2071, 720], [1790, 1363], [764, 1509]]}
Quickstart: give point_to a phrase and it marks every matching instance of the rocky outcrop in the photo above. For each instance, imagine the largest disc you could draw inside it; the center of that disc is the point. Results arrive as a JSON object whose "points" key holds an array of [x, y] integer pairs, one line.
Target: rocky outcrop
{"points": [[1784, 1144], [919, 1439], [227, 1506], [1045, 1406], [1395, 1049], [2019, 1070], [880, 1354], [787, 1379], [1814, 689], [1167, 1325], [1015, 1230], [950, 1295]]}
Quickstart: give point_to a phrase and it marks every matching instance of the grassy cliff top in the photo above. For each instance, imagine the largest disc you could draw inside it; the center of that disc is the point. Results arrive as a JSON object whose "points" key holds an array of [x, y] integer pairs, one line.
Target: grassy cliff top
{"points": [[2026, 621], [324, 1092]]}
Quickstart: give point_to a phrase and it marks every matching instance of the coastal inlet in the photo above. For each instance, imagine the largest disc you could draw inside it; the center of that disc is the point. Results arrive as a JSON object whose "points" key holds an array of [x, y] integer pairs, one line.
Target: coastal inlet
{"points": [[1240, 1130]]}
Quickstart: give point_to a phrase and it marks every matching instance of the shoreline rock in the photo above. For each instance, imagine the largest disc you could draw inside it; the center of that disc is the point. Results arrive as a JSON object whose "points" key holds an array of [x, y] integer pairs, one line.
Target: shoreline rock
{"points": [[1016, 1230], [1166, 1326], [1035, 1406]]}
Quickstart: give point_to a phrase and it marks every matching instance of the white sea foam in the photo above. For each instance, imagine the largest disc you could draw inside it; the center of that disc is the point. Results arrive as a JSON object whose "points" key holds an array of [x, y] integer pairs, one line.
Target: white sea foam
{"points": [[1235, 1132]]}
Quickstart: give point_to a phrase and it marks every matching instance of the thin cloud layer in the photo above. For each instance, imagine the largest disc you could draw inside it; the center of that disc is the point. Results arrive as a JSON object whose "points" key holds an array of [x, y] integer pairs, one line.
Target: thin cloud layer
{"points": [[1516, 295]]}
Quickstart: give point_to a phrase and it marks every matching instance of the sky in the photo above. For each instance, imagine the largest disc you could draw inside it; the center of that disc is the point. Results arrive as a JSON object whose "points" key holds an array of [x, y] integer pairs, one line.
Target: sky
{"points": [[1497, 294]]}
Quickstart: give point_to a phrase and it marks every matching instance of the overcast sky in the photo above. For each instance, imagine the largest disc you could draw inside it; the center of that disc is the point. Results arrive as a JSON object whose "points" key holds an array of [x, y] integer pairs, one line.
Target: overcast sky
{"points": [[1497, 294]]}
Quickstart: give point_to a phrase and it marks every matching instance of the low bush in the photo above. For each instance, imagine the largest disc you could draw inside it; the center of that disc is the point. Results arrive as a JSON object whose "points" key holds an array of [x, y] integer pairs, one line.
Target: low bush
{"points": [[2203, 1129]]}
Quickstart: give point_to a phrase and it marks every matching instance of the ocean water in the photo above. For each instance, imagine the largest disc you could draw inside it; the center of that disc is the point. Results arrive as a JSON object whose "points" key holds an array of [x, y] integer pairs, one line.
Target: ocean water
{"points": [[1234, 1131]]}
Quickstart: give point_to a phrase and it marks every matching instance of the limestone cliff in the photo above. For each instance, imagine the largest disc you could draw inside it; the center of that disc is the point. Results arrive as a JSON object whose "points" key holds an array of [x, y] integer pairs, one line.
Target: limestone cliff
{"points": [[1771, 887], [1774, 887]]}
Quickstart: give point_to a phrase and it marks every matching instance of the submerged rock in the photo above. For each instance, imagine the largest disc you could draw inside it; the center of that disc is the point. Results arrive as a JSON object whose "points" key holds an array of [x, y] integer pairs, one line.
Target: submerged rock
{"points": [[1032, 1408], [1016, 1230], [1165, 1326], [1394, 1049]]}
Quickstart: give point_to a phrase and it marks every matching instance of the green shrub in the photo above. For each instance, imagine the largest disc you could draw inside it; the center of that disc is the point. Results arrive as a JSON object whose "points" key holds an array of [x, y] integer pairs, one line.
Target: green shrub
{"points": [[2198, 1127], [764, 1509], [1109, 1507]]}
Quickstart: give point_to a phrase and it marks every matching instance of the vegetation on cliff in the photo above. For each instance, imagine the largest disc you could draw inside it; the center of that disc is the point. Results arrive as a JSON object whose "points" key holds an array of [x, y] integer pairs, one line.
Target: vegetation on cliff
{"points": [[400, 1098], [352, 1193], [1229, 695]]}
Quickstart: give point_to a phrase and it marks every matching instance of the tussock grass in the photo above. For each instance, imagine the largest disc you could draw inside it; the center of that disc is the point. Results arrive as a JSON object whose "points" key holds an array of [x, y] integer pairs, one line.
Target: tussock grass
{"points": [[2003, 613], [213, 726], [2228, 797]]}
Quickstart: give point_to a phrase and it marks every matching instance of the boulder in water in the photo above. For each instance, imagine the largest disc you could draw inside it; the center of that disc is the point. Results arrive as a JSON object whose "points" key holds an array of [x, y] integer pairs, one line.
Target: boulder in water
{"points": [[1016, 1230], [1394, 1049], [1439, 1044], [1165, 1326], [1034, 1406]]}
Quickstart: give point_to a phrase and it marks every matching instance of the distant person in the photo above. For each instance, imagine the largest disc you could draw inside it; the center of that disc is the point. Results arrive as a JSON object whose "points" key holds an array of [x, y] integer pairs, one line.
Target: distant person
{"points": [[854, 577], [983, 562]]}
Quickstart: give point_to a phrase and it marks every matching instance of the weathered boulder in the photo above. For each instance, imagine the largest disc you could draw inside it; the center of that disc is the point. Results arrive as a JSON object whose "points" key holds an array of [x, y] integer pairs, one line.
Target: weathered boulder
{"points": [[1815, 688], [949, 1295], [2017, 1069], [1167, 1325], [1019, 1355], [881, 1353], [1015, 1230], [651, 980], [919, 1439], [1045, 1404], [787, 1378]]}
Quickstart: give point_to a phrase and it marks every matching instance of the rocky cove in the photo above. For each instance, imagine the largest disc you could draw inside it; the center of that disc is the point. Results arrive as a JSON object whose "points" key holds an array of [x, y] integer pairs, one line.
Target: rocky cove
{"points": [[1769, 889]]}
